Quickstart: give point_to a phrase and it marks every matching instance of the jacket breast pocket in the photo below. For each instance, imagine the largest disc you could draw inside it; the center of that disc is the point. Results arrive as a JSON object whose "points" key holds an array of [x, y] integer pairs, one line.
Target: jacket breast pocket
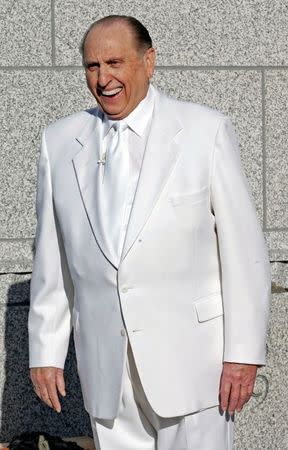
{"points": [[209, 307], [191, 208]]}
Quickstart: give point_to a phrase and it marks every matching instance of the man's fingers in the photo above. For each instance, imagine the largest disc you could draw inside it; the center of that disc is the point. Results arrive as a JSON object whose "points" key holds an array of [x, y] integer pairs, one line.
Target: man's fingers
{"points": [[243, 398], [49, 396], [37, 390], [53, 396], [225, 389], [239, 380], [60, 383], [245, 395], [45, 382], [250, 388], [234, 398], [44, 396]]}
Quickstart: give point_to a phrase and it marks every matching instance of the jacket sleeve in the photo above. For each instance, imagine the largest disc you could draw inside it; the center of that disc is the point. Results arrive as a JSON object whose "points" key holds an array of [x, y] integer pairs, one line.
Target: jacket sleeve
{"points": [[51, 290], [245, 269]]}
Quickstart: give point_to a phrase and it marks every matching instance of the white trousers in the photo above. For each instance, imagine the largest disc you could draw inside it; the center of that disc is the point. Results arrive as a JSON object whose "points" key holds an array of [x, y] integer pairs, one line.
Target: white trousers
{"points": [[138, 427]]}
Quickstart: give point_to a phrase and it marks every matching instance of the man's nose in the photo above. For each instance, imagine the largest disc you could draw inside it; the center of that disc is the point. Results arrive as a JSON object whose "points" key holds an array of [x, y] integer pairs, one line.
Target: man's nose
{"points": [[103, 76]]}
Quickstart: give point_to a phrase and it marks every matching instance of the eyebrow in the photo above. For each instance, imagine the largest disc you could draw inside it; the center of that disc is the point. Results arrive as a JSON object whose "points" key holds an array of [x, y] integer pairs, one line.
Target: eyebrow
{"points": [[108, 61], [91, 64]]}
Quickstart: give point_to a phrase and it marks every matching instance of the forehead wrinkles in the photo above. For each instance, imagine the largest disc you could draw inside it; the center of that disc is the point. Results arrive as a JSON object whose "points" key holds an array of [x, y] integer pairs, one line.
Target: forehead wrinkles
{"points": [[109, 37], [99, 53]]}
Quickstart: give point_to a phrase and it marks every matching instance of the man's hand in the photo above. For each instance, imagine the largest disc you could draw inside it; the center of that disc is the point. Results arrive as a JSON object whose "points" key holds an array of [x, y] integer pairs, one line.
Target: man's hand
{"points": [[47, 382], [236, 385]]}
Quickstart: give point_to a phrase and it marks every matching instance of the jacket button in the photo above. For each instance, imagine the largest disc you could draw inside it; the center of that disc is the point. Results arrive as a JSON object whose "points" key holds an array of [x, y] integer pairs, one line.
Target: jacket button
{"points": [[123, 333], [124, 290]]}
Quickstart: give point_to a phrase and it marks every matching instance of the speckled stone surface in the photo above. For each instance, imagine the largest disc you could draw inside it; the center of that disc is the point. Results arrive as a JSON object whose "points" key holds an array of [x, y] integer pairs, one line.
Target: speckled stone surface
{"points": [[279, 273], [20, 409], [277, 242], [16, 256], [236, 94], [30, 100], [25, 33], [277, 148], [14, 289], [186, 33], [263, 423]]}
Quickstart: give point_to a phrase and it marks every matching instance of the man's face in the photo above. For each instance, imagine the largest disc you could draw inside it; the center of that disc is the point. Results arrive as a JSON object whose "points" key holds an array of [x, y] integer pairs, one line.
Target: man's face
{"points": [[117, 72]]}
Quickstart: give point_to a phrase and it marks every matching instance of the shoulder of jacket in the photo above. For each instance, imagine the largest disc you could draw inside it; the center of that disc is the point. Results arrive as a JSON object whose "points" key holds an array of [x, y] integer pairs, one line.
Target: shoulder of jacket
{"points": [[72, 123], [189, 111]]}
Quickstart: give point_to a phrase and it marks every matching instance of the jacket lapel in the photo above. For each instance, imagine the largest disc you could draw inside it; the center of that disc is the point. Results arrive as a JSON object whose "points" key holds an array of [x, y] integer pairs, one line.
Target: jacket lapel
{"points": [[159, 159], [87, 170]]}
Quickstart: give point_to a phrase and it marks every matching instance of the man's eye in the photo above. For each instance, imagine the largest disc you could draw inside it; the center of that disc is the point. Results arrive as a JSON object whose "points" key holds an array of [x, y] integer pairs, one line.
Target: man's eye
{"points": [[92, 67], [115, 63]]}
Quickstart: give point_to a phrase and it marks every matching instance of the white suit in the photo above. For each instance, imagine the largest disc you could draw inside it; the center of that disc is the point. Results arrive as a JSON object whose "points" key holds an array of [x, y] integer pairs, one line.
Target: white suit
{"points": [[192, 287]]}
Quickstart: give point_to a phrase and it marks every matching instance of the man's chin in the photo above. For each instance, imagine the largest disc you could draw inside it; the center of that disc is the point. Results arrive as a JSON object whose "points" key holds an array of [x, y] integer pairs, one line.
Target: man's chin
{"points": [[113, 113]]}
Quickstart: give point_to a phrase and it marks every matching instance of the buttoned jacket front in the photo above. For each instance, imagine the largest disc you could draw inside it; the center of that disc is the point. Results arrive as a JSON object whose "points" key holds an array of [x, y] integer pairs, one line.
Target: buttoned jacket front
{"points": [[192, 287]]}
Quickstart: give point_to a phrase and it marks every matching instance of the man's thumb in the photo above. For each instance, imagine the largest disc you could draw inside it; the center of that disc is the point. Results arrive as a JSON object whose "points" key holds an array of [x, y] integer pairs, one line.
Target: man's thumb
{"points": [[60, 382]]}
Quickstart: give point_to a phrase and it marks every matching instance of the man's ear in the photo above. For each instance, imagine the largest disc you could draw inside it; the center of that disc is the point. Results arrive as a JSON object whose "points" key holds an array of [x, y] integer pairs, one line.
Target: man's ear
{"points": [[149, 58]]}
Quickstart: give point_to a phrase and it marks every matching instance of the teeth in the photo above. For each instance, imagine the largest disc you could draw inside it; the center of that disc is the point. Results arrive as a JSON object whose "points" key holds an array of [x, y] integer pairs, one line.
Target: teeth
{"points": [[112, 92]]}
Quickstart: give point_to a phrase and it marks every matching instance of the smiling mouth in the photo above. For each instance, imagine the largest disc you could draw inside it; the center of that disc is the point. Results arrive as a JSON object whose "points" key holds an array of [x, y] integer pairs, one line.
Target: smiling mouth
{"points": [[110, 93]]}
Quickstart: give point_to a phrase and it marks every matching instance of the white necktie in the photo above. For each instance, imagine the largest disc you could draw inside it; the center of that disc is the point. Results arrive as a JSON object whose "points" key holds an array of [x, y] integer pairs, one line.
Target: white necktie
{"points": [[114, 189]]}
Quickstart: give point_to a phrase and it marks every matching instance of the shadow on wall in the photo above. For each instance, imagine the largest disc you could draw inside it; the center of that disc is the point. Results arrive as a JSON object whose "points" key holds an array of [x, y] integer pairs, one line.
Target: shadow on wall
{"points": [[21, 410]]}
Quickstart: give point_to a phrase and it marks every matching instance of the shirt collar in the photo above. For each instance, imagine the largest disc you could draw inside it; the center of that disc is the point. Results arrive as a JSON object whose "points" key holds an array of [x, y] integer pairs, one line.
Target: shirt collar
{"points": [[138, 119]]}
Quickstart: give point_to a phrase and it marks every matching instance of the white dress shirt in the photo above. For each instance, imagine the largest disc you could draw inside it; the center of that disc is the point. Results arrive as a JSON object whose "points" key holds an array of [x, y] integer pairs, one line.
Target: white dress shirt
{"points": [[138, 121]]}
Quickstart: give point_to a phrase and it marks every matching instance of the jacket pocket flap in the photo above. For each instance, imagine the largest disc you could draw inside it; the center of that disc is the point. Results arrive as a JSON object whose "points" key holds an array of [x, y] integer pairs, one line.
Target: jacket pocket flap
{"points": [[209, 307], [189, 197]]}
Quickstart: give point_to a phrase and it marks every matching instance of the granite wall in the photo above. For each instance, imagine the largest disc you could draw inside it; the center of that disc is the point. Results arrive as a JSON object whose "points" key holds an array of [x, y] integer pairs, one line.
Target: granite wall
{"points": [[229, 54]]}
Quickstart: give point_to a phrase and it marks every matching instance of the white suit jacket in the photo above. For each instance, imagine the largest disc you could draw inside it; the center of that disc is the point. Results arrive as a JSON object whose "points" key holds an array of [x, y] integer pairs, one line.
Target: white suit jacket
{"points": [[193, 286]]}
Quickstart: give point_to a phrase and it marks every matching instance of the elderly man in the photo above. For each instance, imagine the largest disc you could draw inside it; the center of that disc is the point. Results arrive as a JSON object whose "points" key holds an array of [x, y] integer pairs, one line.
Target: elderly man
{"points": [[148, 243]]}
